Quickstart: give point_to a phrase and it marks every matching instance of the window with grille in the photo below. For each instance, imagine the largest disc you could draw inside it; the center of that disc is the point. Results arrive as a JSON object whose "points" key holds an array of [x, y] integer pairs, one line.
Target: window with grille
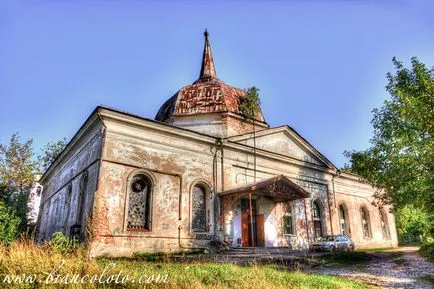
{"points": [[139, 204]]}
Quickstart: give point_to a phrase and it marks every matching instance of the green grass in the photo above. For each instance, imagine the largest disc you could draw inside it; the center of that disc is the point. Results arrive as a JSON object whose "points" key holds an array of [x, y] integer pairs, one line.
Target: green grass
{"points": [[162, 256], [381, 249], [28, 258]]}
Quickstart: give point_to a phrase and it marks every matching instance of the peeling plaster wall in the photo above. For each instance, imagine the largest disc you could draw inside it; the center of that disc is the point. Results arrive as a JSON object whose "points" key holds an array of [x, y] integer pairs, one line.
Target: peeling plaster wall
{"points": [[167, 160], [175, 160], [60, 195], [353, 195], [239, 170]]}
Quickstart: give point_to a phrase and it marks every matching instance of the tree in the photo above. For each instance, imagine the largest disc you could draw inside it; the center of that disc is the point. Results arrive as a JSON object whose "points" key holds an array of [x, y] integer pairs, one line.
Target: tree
{"points": [[17, 178], [9, 223], [17, 170], [413, 223], [16, 167], [400, 161], [249, 107], [51, 151]]}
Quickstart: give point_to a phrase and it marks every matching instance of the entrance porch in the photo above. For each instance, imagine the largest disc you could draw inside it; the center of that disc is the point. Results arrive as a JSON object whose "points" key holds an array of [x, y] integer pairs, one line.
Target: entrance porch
{"points": [[268, 213]]}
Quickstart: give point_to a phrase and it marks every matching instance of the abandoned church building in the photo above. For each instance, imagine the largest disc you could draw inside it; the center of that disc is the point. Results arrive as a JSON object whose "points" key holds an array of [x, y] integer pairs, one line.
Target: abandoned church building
{"points": [[200, 173]]}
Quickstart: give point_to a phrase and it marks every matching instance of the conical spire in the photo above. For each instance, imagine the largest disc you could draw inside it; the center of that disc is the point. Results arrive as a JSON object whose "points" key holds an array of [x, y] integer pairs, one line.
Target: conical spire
{"points": [[207, 70]]}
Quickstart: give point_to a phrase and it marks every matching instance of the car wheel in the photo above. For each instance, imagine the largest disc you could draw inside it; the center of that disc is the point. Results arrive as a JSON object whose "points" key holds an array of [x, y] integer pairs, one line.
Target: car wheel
{"points": [[332, 249], [351, 248]]}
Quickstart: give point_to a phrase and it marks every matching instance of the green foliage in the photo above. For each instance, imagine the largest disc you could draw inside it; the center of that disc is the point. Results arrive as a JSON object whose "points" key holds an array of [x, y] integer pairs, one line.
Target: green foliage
{"points": [[400, 162], [427, 250], [17, 175], [9, 223], [414, 225], [250, 104], [51, 151], [17, 170], [63, 244], [16, 167]]}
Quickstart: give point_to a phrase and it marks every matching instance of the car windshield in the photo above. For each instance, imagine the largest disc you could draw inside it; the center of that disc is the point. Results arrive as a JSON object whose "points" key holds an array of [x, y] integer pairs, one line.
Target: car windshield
{"points": [[327, 239]]}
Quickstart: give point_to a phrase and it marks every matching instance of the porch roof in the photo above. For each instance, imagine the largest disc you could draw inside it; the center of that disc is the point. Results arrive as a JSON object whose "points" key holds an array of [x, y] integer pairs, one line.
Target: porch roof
{"points": [[278, 188]]}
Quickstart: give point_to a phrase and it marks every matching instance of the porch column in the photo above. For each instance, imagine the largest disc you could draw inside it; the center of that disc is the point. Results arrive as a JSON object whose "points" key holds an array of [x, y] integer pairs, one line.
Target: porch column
{"points": [[307, 223], [251, 220]]}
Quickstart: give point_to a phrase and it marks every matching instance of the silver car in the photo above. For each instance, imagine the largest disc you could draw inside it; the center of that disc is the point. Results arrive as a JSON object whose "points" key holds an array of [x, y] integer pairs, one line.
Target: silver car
{"points": [[333, 243]]}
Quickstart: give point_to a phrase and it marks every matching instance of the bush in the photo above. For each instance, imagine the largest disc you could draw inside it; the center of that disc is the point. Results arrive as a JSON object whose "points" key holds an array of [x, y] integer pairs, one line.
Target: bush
{"points": [[9, 224], [63, 244], [414, 225], [427, 250]]}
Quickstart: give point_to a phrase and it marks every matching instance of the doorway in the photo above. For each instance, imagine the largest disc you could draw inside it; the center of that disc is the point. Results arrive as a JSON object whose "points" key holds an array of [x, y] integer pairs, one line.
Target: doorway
{"points": [[246, 225]]}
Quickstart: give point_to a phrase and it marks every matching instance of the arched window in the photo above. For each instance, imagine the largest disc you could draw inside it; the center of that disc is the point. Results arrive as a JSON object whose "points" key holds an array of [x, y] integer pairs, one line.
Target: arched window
{"points": [[384, 224], [200, 209], [344, 223], [317, 219], [366, 225], [139, 204]]}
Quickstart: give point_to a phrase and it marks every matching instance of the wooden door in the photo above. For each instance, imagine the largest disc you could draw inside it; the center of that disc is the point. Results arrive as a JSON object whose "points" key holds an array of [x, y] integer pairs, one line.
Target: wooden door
{"points": [[260, 230], [245, 229]]}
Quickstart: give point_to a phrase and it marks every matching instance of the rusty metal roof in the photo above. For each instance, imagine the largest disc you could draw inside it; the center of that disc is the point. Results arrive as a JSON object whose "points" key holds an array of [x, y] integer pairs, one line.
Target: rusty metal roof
{"points": [[207, 94]]}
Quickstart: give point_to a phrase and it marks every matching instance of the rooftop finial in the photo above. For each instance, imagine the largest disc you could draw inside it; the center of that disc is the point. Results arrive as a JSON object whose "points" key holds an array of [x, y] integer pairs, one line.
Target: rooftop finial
{"points": [[207, 70]]}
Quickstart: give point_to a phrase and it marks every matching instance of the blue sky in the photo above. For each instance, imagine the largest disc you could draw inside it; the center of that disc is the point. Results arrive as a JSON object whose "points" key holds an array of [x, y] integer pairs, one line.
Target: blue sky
{"points": [[320, 65]]}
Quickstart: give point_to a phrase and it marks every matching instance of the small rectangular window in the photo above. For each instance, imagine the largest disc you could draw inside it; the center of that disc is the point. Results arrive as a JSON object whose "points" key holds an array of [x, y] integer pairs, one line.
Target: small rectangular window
{"points": [[287, 225]]}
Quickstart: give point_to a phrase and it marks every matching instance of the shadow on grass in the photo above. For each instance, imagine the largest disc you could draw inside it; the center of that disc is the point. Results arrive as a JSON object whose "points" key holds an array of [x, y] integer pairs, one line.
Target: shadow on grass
{"points": [[428, 279], [346, 258]]}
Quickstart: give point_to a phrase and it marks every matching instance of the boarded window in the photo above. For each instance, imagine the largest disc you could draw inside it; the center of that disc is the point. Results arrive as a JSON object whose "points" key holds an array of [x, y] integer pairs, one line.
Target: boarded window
{"points": [[199, 209], [384, 224], [139, 204], [82, 198], [343, 221], [315, 210], [67, 209], [366, 226]]}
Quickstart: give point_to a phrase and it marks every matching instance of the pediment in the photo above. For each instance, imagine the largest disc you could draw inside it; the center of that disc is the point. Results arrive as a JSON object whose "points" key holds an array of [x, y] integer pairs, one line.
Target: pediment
{"points": [[278, 188], [285, 141]]}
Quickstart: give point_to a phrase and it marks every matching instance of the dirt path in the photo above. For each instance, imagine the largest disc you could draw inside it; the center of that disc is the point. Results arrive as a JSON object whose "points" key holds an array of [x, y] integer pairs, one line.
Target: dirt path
{"points": [[399, 268]]}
